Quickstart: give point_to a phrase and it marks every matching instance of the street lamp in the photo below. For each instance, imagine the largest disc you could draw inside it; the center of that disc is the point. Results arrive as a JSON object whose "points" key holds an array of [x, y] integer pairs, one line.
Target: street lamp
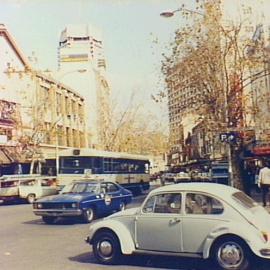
{"points": [[56, 137], [83, 70], [168, 14]]}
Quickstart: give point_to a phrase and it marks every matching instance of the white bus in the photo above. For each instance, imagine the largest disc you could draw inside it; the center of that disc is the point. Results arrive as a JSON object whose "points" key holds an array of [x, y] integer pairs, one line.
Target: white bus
{"points": [[128, 170]]}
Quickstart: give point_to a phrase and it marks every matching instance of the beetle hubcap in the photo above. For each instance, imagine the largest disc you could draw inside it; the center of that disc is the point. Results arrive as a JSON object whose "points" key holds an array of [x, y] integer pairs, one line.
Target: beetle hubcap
{"points": [[105, 248], [230, 255]]}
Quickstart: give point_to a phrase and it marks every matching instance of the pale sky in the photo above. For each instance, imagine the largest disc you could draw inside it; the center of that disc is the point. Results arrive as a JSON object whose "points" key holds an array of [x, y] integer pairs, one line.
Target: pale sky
{"points": [[134, 37]]}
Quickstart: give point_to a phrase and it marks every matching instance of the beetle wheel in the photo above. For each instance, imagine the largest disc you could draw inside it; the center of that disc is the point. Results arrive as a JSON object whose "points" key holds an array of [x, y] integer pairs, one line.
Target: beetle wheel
{"points": [[106, 248], [88, 215], [231, 254]]}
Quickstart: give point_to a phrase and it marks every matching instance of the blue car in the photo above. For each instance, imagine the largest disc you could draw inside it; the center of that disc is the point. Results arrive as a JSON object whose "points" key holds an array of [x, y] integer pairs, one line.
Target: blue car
{"points": [[85, 199]]}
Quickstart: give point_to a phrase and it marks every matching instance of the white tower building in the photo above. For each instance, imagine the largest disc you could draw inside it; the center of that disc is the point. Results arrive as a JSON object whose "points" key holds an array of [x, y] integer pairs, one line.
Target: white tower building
{"points": [[82, 65]]}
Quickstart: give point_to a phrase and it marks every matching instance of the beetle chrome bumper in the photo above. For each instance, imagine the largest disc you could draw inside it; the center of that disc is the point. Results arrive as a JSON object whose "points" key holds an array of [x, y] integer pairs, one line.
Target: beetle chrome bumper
{"points": [[58, 212]]}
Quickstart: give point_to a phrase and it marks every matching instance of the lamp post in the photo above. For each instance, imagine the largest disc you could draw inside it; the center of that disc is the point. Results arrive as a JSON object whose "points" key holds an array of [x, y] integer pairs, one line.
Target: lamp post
{"points": [[168, 14], [56, 126]]}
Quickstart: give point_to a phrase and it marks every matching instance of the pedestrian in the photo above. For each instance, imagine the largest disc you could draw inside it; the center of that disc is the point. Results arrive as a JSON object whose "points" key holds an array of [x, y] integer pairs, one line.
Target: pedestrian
{"points": [[248, 180], [264, 180]]}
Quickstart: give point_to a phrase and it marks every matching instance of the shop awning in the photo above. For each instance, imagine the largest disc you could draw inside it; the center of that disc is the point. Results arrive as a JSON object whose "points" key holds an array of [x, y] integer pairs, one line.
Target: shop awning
{"points": [[4, 159]]}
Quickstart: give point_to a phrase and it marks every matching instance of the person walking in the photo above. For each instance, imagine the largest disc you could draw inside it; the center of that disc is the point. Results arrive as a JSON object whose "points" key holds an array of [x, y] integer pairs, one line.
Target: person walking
{"points": [[264, 181]]}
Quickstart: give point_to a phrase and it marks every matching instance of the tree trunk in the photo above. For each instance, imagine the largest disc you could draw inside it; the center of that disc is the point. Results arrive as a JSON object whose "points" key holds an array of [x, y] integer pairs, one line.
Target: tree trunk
{"points": [[237, 168]]}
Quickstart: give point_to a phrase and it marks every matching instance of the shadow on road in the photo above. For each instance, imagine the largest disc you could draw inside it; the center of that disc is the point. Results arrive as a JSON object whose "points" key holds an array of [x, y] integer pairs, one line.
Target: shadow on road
{"points": [[150, 261], [165, 262], [59, 221]]}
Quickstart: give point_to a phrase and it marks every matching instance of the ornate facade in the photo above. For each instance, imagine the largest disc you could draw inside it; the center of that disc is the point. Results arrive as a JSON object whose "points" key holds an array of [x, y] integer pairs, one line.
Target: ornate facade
{"points": [[39, 115]]}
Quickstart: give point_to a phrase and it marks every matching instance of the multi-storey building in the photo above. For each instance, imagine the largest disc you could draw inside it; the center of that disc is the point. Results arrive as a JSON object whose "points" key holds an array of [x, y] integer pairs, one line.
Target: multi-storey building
{"points": [[39, 114], [245, 96], [81, 49]]}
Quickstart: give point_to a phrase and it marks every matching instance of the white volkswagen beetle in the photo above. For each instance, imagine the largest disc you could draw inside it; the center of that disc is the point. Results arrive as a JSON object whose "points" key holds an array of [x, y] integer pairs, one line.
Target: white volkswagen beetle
{"points": [[203, 220]]}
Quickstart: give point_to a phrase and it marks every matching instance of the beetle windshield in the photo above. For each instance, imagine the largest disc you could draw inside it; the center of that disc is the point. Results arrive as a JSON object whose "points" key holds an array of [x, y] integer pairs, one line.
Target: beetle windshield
{"points": [[244, 200], [81, 187]]}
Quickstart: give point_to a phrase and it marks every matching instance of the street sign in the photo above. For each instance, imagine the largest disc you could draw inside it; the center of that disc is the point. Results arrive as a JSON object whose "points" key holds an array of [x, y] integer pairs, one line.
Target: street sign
{"points": [[223, 137], [228, 137]]}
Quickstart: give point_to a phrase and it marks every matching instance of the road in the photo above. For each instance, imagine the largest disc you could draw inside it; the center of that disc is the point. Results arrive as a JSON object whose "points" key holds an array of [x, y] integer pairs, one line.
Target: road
{"points": [[28, 243]]}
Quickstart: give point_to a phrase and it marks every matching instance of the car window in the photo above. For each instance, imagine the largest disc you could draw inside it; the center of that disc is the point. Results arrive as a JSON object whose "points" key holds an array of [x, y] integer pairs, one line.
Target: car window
{"points": [[201, 204], [31, 182], [7, 184], [111, 187], [46, 182], [163, 203], [91, 188], [244, 200], [80, 187]]}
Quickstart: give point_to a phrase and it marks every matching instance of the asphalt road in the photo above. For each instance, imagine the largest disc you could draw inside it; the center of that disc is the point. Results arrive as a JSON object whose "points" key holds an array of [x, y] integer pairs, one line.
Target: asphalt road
{"points": [[26, 243]]}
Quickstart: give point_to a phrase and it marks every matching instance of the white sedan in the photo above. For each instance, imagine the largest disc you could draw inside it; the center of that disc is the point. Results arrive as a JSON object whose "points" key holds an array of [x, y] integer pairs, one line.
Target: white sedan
{"points": [[200, 220]]}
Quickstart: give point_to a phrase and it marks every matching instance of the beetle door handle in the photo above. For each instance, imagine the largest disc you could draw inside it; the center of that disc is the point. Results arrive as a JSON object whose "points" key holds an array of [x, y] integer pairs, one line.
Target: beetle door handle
{"points": [[175, 220]]}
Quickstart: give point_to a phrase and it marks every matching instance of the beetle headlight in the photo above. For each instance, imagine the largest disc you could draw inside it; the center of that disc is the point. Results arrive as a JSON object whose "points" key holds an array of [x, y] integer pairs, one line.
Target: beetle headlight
{"points": [[39, 205], [74, 205]]}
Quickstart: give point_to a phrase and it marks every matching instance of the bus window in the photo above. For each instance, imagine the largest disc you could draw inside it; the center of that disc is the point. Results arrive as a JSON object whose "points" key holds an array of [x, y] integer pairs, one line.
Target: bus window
{"points": [[146, 167], [107, 165], [97, 165], [75, 164]]}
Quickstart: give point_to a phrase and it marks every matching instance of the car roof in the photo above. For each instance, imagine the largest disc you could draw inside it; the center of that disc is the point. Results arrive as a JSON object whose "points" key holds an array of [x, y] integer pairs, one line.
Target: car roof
{"points": [[86, 181], [211, 188]]}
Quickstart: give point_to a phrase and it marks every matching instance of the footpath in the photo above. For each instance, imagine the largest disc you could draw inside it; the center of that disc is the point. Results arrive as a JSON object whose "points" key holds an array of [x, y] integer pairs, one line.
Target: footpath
{"points": [[256, 195]]}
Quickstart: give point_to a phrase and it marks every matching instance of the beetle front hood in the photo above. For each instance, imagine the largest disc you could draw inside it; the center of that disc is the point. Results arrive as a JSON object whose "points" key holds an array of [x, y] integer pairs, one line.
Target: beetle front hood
{"points": [[127, 212]]}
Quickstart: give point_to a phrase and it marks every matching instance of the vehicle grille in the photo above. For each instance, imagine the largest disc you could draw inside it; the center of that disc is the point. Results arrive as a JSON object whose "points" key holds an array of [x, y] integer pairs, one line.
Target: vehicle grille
{"points": [[57, 205]]}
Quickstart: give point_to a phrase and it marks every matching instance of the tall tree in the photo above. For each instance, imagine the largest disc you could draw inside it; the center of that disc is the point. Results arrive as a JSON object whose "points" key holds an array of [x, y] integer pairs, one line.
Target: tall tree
{"points": [[209, 61]]}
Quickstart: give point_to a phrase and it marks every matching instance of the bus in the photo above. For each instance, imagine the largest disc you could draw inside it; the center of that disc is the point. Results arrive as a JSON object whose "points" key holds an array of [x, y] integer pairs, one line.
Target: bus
{"points": [[130, 171]]}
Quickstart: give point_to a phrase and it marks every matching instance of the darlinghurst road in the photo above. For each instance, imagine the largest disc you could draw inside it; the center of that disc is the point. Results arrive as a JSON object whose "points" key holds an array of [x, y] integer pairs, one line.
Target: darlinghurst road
{"points": [[26, 243]]}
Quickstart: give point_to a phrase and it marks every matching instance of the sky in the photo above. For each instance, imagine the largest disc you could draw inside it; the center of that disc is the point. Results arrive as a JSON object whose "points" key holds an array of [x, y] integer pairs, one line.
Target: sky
{"points": [[134, 37]]}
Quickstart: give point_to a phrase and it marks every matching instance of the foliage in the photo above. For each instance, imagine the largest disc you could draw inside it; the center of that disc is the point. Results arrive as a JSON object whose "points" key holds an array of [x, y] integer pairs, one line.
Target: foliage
{"points": [[135, 131], [209, 67]]}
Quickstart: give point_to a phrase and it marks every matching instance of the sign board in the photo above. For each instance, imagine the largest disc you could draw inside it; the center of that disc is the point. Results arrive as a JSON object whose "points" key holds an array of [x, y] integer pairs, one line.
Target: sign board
{"points": [[261, 150], [87, 172], [228, 137], [3, 139]]}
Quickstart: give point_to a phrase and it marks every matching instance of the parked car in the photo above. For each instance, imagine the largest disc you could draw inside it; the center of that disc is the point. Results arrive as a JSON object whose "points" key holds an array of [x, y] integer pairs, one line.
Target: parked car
{"points": [[201, 220], [220, 173], [85, 199], [168, 177], [182, 177], [26, 187]]}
